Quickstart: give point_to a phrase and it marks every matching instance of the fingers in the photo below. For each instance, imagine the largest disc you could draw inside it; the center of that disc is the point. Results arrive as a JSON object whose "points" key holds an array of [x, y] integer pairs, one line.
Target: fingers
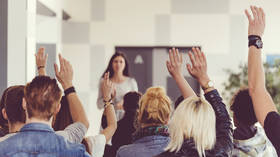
{"points": [[56, 70], [262, 14], [177, 55], [171, 56], [248, 16], [61, 62], [189, 69], [254, 11], [168, 65], [193, 61]]}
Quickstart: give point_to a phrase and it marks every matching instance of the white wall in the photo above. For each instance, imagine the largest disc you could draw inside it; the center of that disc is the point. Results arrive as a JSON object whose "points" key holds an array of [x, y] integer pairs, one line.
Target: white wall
{"points": [[222, 33]]}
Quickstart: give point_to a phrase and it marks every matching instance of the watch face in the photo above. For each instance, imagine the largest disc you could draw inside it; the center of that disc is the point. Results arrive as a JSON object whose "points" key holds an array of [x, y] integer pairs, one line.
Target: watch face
{"points": [[259, 43], [210, 84]]}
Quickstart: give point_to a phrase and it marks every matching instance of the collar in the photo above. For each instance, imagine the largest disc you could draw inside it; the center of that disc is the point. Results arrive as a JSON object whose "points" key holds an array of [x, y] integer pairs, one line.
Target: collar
{"points": [[36, 127]]}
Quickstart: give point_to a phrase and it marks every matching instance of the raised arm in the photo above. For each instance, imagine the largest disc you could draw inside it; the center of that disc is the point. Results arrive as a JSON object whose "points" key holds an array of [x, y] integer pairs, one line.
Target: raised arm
{"points": [[223, 122], [41, 61], [107, 89], [65, 77], [174, 66], [262, 101], [198, 69]]}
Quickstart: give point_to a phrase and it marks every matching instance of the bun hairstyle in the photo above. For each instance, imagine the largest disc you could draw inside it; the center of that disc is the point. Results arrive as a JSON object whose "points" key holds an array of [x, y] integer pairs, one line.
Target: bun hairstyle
{"points": [[155, 107]]}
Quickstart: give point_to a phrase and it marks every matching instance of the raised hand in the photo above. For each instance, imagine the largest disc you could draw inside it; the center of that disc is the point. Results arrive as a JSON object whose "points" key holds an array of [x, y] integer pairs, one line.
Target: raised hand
{"points": [[107, 87], [41, 61], [174, 65], [199, 66], [65, 73], [257, 23]]}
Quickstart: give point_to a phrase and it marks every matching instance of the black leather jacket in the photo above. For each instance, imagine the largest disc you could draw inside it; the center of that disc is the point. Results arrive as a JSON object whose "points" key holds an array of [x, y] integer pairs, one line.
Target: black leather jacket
{"points": [[224, 130]]}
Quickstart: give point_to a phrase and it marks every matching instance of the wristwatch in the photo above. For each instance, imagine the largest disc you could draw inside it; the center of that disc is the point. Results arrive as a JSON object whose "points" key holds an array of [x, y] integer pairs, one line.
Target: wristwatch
{"points": [[209, 84], [256, 41]]}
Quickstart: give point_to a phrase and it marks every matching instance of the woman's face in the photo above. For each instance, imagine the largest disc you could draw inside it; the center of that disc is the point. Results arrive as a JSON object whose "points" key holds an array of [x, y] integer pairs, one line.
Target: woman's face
{"points": [[118, 64]]}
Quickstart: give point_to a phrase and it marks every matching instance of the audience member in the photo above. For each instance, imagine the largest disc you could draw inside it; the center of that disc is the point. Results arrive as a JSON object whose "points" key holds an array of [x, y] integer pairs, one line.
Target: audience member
{"points": [[197, 128], [151, 136], [265, 110], [126, 128], [249, 139]]}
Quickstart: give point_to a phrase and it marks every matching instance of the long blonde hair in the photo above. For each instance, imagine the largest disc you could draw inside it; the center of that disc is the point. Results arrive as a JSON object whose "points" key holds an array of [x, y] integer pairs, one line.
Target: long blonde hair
{"points": [[193, 119], [155, 107]]}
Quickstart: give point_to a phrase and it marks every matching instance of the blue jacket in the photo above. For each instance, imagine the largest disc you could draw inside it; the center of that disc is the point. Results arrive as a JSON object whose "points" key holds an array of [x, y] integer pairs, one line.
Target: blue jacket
{"points": [[145, 147], [37, 139]]}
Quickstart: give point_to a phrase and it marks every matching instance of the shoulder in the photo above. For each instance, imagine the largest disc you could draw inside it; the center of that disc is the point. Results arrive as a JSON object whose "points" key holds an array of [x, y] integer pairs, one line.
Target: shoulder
{"points": [[126, 150], [166, 154], [131, 80], [6, 137]]}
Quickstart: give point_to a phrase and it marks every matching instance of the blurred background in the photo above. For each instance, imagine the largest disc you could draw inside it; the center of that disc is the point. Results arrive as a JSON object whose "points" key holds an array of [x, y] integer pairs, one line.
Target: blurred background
{"points": [[88, 32]]}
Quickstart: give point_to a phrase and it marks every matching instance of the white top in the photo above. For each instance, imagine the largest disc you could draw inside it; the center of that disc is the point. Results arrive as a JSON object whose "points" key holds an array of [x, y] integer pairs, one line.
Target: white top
{"points": [[98, 143], [74, 133], [121, 89]]}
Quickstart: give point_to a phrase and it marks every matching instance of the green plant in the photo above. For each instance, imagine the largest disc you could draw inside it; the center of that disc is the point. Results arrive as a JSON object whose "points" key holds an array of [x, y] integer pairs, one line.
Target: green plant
{"points": [[240, 79]]}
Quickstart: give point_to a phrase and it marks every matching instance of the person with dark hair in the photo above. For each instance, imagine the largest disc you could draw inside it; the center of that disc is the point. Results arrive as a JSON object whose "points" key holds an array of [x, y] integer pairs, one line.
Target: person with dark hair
{"points": [[118, 68], [248, 138], [4, 128], [264, 107], [126, 128], [12, 110]]}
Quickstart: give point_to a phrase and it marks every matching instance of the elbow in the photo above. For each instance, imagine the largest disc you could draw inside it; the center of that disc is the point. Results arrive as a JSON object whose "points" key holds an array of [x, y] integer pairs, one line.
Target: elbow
{"points": [[255, 89], [86, 123]]}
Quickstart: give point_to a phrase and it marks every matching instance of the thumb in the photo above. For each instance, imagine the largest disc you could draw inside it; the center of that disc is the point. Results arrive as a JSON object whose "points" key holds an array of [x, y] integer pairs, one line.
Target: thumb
{"points": [[189, 68]]}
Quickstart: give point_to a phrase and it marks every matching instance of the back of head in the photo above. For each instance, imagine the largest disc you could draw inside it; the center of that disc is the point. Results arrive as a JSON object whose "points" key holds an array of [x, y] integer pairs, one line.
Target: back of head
{"points": [[242, 108], [42, 96], [3, 121], [13, 105], [155, 107], [131, 101], [194, 119]]}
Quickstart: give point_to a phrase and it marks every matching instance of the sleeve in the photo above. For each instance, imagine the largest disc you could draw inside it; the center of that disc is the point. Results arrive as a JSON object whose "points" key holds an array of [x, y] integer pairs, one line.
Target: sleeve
{"points": [[134, 85], [98, 145], [99, 102], [272, 129], [223, 123], [74, 133]]}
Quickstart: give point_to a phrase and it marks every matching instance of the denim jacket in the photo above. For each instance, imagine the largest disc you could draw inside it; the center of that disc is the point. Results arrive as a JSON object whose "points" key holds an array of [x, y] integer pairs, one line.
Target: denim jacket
{"points": [[38, 139], [145, 147]]}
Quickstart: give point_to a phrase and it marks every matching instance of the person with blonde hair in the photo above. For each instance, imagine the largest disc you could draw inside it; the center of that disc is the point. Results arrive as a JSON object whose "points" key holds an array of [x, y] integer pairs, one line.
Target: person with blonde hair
{"points": [[198, 128], [151, 136]]}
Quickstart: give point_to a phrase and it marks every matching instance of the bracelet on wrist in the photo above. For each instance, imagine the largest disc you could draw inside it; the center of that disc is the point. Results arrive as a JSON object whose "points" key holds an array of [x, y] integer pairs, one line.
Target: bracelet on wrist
{"points": [[108, 104], [107, 100], [40, 67], [69, 90]]}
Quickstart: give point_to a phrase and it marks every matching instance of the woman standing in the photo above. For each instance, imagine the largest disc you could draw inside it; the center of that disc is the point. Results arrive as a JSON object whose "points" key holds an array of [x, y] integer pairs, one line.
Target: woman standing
{"points": [[118, 69]]}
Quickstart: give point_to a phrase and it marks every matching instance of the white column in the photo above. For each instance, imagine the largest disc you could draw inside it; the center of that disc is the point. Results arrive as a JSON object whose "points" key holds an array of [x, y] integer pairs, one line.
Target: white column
{"points": [[21, 41]]}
